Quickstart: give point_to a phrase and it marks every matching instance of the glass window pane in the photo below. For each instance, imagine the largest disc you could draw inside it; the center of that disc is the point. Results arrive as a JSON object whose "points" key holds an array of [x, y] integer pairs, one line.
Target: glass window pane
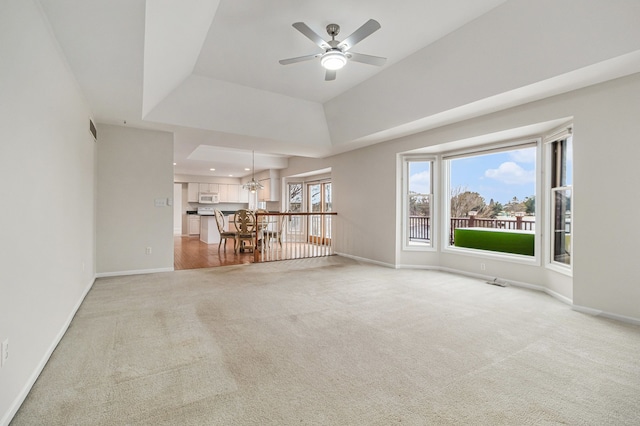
{"points": [[295, 197], [494, 190], [420, 177], [562, 226], [315, 202], [418, 198], [568, 160]]}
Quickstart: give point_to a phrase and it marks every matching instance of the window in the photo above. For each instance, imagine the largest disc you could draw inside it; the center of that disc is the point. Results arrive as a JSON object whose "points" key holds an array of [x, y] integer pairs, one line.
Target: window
{"points": [[491, 202], [418, 196], [561, 171], [294, 197], [294, 205], [319, 196]]}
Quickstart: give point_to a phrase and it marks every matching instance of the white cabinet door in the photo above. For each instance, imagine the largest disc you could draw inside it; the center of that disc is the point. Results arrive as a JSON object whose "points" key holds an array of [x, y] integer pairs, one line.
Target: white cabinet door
{"points": [[271, 190], [192, 192], [264, 194], [194, 224], [209, 187], [223, 192], [243, 194], [234, 193]]}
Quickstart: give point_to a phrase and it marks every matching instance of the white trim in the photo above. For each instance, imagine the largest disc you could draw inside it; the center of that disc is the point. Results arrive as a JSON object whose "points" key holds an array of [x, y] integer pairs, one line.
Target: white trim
{"points": [[132, 272], [532, 142], [405, 159], [497, 255], [365, 260], [559, 132], [549, 199], [17, 402], [599, 313], [491, 148], [513, 283]]}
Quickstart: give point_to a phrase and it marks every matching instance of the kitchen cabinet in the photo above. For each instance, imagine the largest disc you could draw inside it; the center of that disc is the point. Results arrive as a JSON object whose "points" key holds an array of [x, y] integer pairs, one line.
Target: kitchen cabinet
{"points": [[223, 192], [232, 193], [194, 224], [271, 190], [209, 233], [192, 192], [209, 187], [243, 194]]}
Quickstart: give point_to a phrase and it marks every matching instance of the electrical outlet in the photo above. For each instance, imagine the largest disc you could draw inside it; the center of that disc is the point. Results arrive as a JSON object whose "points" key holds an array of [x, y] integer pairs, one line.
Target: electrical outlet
{"points": [[483, 267], [4, 352], [148, 250]]}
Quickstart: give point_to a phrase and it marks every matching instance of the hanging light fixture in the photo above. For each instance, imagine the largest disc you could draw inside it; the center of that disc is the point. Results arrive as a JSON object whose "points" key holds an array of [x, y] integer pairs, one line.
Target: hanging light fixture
{"points": [[253, 185]]}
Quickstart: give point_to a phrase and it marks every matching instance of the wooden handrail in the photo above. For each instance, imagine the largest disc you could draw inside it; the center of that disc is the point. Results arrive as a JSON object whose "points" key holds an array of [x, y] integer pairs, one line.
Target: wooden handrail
{"points": [[270, 217]]}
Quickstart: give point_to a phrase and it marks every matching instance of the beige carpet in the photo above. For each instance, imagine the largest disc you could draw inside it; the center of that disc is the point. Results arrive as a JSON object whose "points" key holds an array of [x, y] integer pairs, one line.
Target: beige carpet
{"points": [[331, 341]]}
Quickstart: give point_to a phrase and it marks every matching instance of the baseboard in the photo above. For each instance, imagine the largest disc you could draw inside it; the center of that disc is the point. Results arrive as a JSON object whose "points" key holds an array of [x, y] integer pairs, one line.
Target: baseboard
{"points": [[43, 362], [365, 260], [132, 272], [599, 313]]}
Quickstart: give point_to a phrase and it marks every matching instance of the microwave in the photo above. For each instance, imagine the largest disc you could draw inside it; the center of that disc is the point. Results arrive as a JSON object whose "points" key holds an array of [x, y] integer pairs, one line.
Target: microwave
{"points": [[208, 198]]}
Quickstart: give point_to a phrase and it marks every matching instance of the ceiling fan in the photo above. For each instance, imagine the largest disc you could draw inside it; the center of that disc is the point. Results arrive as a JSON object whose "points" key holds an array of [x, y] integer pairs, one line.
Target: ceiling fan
{"points": [[336, 53]]}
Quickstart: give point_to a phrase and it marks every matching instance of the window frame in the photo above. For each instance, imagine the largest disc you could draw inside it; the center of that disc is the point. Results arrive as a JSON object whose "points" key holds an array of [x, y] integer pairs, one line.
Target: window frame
{"points": [[551, 178], [408, 245], [445, 212]]}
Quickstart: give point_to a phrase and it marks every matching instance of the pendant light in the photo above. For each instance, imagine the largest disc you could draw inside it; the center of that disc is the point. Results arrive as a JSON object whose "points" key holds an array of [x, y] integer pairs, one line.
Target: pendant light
{"points": [[252, 185]]}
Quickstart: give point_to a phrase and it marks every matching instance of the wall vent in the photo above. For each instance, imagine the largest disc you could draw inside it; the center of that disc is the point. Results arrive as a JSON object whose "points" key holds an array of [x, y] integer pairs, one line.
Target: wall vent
{"points": [[92, 130]]}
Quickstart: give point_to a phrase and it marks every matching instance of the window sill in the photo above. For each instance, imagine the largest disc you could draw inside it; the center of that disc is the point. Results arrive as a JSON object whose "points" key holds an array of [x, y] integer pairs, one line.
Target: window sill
{"points": [[560, 268], [506, 257], [418, 247]]}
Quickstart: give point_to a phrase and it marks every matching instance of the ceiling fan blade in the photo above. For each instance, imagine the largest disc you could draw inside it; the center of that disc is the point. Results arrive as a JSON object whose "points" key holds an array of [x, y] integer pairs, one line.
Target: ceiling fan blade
{"points": [[330, 75], [299, 59], [364, 31], [311, 35], [366, 59]]}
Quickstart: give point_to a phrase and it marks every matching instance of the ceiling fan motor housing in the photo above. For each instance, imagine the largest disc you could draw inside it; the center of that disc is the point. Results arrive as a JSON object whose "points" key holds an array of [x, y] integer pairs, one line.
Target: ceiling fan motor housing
{"points": [[333, 29]]}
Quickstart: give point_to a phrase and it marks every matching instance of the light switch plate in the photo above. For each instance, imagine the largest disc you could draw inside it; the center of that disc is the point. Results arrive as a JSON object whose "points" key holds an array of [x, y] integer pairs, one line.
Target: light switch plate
{"points": [[4, 352]]}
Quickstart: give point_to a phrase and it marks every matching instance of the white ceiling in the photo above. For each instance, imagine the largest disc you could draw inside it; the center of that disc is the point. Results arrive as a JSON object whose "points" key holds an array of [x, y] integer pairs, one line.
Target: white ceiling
{"points": [[208, 70]]}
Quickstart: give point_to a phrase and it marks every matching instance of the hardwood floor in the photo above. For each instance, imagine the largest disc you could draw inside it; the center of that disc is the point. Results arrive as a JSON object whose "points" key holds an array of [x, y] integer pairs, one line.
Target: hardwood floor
{"points": [[191, 253]]}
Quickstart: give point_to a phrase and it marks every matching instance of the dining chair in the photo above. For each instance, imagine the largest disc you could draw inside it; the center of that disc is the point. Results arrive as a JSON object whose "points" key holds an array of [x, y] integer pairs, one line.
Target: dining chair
{"points": [[245, 222], [224, 235]]}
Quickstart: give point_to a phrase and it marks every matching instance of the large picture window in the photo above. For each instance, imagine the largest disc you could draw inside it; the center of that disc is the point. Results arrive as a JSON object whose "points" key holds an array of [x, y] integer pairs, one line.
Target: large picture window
{"points": [[492, 199], [418, 202], [561, 171]]}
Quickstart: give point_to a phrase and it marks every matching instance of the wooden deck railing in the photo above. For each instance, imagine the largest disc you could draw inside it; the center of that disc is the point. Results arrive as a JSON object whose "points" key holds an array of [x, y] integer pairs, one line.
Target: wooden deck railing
{"points": [[283, 236], [420, 226], [475, 222]]}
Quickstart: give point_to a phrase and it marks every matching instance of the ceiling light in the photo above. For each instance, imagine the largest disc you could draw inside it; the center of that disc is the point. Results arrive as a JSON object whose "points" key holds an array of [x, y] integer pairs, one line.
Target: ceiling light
{"points": [[333, 60], [252, 185], [174, 164], [246, 169], [213, 170]]}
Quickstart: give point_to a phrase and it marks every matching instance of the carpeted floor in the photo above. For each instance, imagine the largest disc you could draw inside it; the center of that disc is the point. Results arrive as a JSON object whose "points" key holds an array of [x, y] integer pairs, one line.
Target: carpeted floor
{"points": [[331, 341]]}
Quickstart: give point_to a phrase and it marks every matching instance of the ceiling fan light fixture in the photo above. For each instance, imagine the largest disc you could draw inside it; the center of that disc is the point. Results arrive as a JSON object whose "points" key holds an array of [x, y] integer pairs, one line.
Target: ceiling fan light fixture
{"points": [[333, 60]]}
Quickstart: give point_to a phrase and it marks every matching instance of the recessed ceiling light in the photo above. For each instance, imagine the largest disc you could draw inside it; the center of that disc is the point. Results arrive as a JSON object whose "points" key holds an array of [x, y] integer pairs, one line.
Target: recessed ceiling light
{"points": [[213, 170], [246, 169], [230, 175], [175, 164]]}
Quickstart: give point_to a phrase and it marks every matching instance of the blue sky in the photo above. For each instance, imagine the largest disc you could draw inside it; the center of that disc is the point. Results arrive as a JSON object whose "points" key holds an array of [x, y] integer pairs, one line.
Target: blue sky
{"points": [[500, 176]]}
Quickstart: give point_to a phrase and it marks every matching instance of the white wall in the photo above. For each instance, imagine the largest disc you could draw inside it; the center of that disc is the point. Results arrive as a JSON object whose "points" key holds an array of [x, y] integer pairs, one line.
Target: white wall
{"points": [[47, 167], [606, 151], [135, 167], [539, 38]]}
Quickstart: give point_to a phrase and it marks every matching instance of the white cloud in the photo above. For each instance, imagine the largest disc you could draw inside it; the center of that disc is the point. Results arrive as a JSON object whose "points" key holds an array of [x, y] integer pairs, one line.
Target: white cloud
{"points": [[527, 155], [419, 182], [511, 173]]}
